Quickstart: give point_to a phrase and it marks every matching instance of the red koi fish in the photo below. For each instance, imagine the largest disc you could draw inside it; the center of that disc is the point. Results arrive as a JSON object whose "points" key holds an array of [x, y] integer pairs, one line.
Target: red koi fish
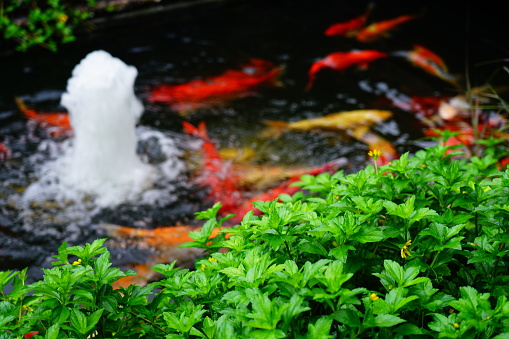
{"points": [[351, 27], [5, 152], [217, 174], [429, 62], [58, 122], [213, 91], [31, 334], [340, 61], [285, 187], [381, 28]]}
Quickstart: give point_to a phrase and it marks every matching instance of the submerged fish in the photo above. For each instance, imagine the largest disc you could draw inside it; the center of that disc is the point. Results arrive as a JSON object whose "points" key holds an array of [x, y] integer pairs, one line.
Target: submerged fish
{"points": [[341, 121], [378, 29], [5, 152], [429, 62], [376, 142], [216, 174], [340, 61], [230, 85], [161, 242], [351, 27], [58, 122], [286, 187]]}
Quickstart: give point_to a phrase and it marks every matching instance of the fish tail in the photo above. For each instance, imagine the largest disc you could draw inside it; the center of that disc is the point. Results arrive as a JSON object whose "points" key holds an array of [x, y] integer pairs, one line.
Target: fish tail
{"points": [[274, 128], [29, 113], [275, 76], [200, 131]]}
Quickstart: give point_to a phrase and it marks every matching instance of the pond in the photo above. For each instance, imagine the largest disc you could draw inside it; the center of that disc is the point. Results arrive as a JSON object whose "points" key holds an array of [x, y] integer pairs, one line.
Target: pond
{"points": [[203, 41]]}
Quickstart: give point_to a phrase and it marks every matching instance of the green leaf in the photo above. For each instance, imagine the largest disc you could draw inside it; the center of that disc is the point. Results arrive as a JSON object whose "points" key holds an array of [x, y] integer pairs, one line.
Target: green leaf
{"points": [[320, 329], [387, 320], [347, 317]]}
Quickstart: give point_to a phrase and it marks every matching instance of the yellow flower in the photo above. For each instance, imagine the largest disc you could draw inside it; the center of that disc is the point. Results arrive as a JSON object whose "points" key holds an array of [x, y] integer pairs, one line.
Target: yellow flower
{"points": [[77, 262], [373, 296], [203, 267], [212, 259], [63, 18], [456, 325], [404, 250], [374, 154]]}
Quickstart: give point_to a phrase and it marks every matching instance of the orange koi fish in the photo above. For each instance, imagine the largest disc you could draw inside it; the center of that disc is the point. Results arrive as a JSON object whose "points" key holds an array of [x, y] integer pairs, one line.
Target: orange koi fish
{"points": [[341, 121], [376, 142], [351, 27], [340, 61], [164, 242], [213, 91], [429, 62], [217, 174], [381, 28], [58, 122]]}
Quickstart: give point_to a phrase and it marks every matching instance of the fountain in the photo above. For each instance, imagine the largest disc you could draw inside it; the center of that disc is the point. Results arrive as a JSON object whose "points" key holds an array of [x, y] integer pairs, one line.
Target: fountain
{"points": [[104, 111], [99, 167]]}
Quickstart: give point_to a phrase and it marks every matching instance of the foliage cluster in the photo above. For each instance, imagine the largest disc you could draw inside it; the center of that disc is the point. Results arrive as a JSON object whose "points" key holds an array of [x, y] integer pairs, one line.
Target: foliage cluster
{"points": [[416, 248], [42, 23]]}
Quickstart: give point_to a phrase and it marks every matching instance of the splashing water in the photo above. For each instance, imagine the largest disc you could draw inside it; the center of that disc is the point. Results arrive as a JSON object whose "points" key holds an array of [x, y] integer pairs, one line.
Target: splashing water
{"points": [[99, 166]]}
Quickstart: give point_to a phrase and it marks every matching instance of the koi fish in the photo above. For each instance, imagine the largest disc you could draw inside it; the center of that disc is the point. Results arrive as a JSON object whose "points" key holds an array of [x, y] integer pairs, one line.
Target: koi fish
{"points": [[375, 30], [340, 61], [285, 187], [58, 122], [429, 62], [164, 244], [351, 27], [5, 152], [213, 91], [341, 121], [216, 174], [375, 142]]}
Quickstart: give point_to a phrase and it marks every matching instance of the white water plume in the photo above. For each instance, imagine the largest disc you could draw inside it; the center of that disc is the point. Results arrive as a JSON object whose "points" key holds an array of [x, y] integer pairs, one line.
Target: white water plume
{"points": [[99, 167]]}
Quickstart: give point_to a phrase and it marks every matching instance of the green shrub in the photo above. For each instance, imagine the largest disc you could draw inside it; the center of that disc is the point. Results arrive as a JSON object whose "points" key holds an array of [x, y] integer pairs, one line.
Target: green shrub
{"points": [[42, 23], [413, 249]]}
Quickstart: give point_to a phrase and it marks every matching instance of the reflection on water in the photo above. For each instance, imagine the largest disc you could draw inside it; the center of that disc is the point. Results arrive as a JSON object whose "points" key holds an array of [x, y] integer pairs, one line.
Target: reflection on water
{"points": [[204, 42]]}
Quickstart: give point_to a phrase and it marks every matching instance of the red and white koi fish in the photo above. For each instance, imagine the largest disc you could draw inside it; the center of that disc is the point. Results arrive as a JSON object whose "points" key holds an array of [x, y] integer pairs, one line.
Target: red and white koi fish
{"points": [[351, 27], [428, 61], [213, 91], [58, 122], [340, 61], [382, 28]]}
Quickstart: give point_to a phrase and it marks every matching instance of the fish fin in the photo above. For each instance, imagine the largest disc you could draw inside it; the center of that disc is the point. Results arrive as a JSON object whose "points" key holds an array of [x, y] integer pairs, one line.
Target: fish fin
{"points": [[274, 128]]}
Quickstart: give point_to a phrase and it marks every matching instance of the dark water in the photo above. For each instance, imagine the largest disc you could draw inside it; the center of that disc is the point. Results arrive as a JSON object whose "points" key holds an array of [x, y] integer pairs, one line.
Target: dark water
{"points": [[201, 41]]}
